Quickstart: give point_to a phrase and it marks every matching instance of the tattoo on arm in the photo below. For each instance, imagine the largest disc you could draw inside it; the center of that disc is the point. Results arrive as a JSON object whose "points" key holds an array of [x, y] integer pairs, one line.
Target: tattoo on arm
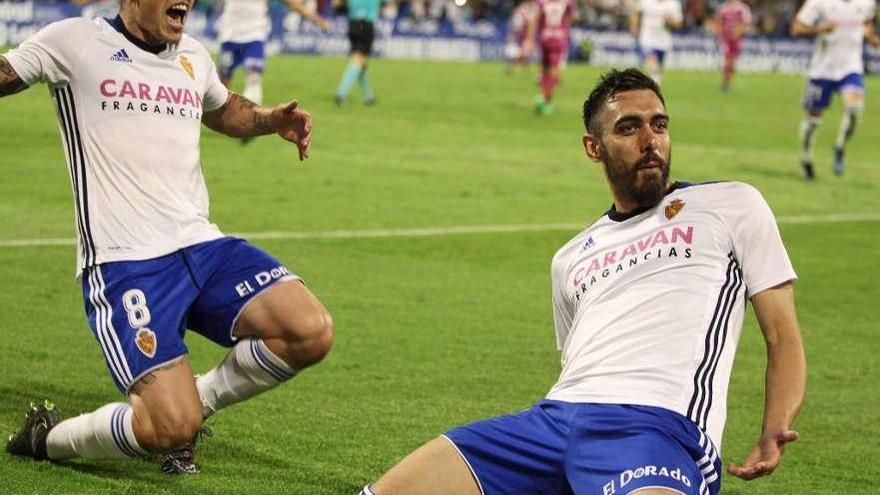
{"points": [[10, 83], [240, 117]]}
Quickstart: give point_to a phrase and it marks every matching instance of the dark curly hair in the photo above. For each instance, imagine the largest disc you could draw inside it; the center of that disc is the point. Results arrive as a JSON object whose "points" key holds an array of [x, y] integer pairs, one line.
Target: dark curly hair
{"points": [[610, 84]]}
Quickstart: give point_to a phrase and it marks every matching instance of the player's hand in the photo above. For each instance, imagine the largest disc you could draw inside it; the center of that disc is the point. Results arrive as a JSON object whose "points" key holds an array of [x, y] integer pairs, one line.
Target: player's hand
{"points": [[765, 456], [294, 125]]}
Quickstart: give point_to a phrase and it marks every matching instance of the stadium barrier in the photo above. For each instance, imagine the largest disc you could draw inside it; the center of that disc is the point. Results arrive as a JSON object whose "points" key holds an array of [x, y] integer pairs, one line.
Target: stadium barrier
{"points": [[463, 41]]}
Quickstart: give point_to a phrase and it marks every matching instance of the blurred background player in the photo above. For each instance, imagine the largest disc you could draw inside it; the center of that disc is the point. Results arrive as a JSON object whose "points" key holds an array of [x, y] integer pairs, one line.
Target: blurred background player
{"points": [[733, 20], [517, 31], [243, 29], [362, 14], [650, 21], [552, 23], [840, 27]]}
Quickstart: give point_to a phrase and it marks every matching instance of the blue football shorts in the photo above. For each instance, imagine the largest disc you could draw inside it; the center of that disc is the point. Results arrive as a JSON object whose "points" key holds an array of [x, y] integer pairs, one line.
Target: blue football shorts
{"points": [[233, 55], [139, 310], [818, 93], [562, 448]]}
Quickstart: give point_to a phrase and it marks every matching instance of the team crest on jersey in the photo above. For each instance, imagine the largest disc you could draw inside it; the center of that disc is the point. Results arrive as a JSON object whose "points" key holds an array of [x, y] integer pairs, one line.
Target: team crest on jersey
{"points": [[146, 341], [187, 66], [673, 208]]}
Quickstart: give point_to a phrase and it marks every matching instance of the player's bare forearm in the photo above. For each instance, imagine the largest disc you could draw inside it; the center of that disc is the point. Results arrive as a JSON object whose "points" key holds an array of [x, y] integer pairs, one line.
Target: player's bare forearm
{"points": [[313, 17], [634, 22], [240, 117], [786, 379], [798, 28], [10, 83], [871, 34]]}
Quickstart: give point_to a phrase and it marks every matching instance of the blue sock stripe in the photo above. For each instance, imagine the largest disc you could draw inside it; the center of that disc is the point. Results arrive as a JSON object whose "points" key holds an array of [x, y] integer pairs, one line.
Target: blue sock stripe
{"points": [[117, 428], [129, 449], [278, 369], [266, 364]]}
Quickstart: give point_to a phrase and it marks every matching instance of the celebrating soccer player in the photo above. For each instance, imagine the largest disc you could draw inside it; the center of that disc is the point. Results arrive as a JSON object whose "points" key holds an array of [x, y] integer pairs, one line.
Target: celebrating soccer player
{"points": [[552, 25], [649, 303], [650, 21], [733, 20], [131, 95], [840, 26]]}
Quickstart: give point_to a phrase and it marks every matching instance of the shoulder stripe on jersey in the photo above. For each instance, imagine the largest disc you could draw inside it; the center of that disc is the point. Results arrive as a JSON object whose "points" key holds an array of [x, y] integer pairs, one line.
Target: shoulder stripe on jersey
{"points": [[716, 335], [67, 131], [104, 330], [77, 161]]}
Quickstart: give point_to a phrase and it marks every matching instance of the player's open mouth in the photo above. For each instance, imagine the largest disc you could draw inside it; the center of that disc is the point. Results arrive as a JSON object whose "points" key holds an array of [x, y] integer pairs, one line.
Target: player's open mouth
{"points": [[176, 14]]}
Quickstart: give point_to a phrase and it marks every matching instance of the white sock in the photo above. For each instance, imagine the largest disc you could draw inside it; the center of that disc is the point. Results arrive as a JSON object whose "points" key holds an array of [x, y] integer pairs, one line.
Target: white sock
{"points": [[253, 87], [103, 434], [367, 491], [249, 369], [848, 123], [808, 137]]}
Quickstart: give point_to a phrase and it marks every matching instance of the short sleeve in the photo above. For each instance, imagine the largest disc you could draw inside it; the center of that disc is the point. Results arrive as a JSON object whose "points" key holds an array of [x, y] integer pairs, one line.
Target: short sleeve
{"points": [[757, 244], [50, 55], [216, 93], [809, 13], [563, 312]]}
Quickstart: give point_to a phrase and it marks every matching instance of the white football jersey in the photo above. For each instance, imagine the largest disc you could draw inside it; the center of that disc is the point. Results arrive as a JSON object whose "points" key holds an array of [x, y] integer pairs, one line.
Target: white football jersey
{"points": [[649, 307], [243, 21], [130, 122], [653, 33], [839, 52]]}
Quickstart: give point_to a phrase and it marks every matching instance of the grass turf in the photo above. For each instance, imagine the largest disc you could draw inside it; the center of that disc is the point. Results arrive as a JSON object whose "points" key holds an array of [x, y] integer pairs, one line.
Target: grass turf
{"points": [[440, 330]]}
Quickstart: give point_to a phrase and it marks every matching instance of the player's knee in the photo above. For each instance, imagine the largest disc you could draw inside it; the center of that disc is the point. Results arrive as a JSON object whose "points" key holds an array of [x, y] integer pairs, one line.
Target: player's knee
{"points": [[310, 336], [171, 430]]}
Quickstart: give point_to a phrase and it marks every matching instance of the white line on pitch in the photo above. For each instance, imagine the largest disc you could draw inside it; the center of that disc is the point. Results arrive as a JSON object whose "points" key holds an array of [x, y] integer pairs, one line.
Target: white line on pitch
{"points": [[438, 231]]}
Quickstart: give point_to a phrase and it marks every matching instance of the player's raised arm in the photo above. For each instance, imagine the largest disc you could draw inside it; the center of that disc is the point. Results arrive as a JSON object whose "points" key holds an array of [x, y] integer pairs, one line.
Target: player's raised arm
{"points": [[635, 19], [786, 380], [240, 118], [10, 82], [312, 16], [871, 34]]}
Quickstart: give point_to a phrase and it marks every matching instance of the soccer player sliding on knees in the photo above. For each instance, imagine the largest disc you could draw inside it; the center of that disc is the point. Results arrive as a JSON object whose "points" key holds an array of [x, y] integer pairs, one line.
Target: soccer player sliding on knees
{"points": [[131, 95], [648, 305]]}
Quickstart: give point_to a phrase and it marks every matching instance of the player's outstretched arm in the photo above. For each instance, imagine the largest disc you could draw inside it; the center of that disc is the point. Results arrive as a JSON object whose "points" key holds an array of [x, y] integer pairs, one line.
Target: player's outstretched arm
{"points": [[786, 380], [240, 118], [10, 83], [798, 28], [871, 34], [314, 18]]}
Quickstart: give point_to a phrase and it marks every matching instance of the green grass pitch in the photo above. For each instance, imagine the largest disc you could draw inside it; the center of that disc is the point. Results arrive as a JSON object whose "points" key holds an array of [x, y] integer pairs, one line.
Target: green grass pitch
{"points": [[438, 330]]}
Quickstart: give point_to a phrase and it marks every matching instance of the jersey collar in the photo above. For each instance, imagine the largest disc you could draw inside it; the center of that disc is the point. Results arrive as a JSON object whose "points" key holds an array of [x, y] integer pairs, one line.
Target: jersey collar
{"points": [[615, 215], [119, 25]]}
